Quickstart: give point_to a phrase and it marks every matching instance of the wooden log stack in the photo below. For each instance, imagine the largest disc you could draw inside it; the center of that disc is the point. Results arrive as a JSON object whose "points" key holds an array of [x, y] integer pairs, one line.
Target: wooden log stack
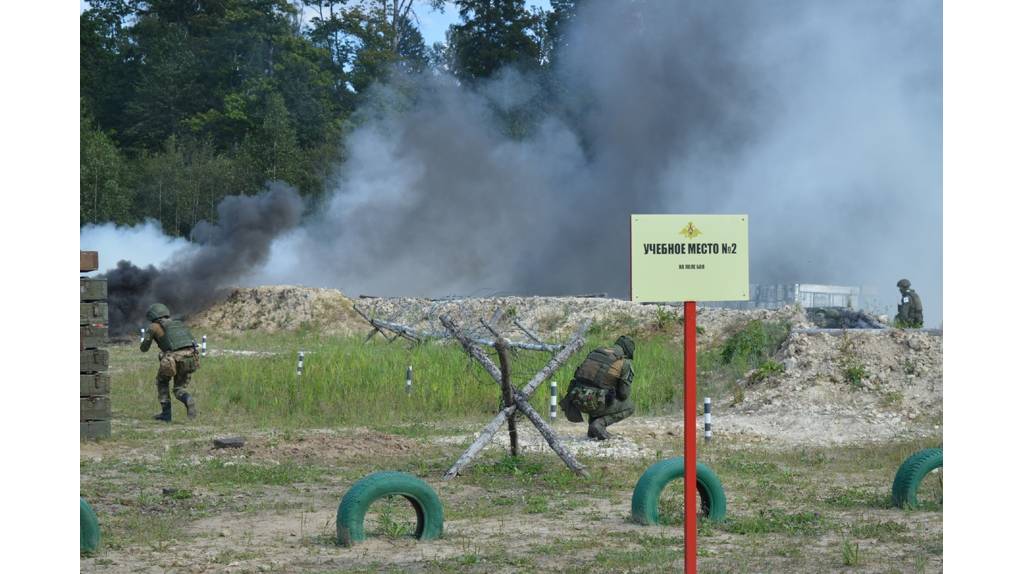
{"points": [[95, 381]]}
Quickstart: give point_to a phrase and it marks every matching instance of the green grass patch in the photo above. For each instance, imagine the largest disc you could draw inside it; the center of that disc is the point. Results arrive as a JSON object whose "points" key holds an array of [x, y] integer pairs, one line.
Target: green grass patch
{"points": [[346, 382], [850, 553], [391, 517], [633, 558], [774, 521], [855, 373], [858, 497], [217, 471], [755, 343]]}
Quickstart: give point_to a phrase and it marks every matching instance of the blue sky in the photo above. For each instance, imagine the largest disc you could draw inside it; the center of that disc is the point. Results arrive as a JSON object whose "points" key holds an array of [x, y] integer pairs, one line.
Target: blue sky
{"points": [[433, 24]]}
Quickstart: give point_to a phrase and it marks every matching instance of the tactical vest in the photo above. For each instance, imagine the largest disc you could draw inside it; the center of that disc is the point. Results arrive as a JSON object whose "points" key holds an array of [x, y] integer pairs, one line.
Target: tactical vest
{"points": [[176, 335], [602, 368]]}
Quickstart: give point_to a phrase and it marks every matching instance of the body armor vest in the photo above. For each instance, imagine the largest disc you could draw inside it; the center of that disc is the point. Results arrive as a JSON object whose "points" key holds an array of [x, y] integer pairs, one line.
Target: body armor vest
{"points": [[601, 368], [176, 335]]}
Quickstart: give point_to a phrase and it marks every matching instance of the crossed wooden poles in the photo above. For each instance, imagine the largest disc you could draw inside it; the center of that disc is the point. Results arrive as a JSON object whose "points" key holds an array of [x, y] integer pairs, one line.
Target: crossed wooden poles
{"points": [[418, 335], [514, 399]]}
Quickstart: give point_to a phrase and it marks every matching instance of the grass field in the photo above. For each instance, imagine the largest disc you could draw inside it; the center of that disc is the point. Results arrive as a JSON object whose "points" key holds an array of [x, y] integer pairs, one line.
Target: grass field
{"points": [[167, 501], [346, 382]]}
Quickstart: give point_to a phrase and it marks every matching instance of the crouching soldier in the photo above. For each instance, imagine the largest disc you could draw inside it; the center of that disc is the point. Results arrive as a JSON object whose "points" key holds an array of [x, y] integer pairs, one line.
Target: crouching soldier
{"points": [[601, 388], [178, 359]]}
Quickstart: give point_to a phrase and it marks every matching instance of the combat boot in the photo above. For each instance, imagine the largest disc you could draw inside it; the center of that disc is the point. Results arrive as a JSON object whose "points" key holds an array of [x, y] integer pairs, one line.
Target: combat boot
{"points": [[190, 404], [165, 412], [596, 430]]}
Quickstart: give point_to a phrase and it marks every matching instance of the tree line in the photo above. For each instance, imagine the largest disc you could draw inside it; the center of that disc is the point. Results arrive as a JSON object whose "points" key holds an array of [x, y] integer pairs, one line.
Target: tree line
{"points": [[184, 102]]}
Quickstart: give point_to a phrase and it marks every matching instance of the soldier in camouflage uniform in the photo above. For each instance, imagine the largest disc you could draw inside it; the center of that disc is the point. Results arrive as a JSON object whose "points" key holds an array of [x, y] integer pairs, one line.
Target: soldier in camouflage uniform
{"points": [[910, 312], [601, 388], [179, 358]]}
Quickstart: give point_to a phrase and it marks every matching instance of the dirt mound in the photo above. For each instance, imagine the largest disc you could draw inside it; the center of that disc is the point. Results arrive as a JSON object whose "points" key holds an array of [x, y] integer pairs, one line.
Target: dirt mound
{"points": [[287, 308], [853, 385], [281, 308], [555, 318]]}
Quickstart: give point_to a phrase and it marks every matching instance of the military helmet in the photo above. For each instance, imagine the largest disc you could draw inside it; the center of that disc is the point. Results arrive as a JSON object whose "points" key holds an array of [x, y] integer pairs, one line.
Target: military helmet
{"points": [[157, 310], [903, 284], [627, 345]]}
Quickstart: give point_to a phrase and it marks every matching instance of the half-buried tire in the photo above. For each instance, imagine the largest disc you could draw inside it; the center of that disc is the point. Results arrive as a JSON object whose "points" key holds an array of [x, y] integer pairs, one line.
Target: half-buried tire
{"points": [[355, 503], [911, 473], [654, 480], [89, 528]]}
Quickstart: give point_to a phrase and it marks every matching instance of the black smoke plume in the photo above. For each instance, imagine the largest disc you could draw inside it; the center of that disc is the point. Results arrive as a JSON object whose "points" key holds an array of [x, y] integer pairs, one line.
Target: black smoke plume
{"points": [[223, 252]]}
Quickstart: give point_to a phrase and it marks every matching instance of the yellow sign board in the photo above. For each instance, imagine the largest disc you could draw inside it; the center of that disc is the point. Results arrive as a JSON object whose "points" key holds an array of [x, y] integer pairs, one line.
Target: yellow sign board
{"points": [[689, 258]]}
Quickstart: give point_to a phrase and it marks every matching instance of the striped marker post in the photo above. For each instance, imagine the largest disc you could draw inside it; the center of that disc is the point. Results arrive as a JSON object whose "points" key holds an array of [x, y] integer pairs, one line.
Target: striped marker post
{"points": [[301, 365], [408, 380], [204, 345], [142, 335], [554, 401], [707, 419]]}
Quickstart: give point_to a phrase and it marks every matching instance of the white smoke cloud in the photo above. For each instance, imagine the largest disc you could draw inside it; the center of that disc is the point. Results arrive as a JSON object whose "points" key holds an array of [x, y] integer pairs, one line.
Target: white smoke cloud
{"points": [[143, 244]]}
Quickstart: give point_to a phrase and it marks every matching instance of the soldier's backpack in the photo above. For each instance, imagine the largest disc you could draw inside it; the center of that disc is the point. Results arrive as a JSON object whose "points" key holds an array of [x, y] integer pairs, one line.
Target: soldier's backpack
{"points": [[176, 335], [601, 368]]}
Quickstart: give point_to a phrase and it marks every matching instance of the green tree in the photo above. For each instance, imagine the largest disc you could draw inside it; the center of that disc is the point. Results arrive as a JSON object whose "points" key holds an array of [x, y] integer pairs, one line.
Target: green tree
{"points": [[186, 102], [370, 37], [272, 148], [103, 193], [556, 27], [159, 185], [383, 44], [107, 70], [494, 34]]}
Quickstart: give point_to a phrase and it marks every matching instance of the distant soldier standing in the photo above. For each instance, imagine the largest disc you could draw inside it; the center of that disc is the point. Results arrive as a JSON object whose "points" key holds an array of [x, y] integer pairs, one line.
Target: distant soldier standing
{"points": [[601, 388], [178, 359], [910, 312]]}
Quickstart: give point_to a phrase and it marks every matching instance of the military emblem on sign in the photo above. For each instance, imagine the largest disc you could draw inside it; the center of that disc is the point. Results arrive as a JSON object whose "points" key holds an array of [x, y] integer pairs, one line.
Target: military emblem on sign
{"points": [[690, 231]]}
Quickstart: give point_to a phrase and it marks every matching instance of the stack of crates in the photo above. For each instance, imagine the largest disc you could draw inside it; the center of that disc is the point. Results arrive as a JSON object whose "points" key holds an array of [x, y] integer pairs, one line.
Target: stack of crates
{"points": [[95, 381]]}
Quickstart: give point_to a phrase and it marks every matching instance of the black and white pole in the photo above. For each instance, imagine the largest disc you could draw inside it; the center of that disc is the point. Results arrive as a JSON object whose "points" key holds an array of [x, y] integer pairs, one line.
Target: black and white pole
{"points": [[204, 345], [408, 380], [554, 401], [301, 365], [707, 419], [142, 335]]}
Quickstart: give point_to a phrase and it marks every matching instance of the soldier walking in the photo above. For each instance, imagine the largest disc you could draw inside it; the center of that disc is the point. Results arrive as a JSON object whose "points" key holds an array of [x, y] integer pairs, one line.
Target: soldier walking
{"points": [[909, 311], [601, 388], [179, 358]]}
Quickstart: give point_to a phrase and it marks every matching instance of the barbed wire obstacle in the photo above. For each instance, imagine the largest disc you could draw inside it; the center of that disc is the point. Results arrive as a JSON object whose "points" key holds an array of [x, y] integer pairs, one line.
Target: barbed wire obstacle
{"points": [[394, 329], [514, 400]]}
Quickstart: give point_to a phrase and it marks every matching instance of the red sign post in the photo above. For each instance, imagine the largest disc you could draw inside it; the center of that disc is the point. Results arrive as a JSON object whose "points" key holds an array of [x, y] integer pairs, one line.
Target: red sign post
{"points": [[692, 257], [690, 435]]}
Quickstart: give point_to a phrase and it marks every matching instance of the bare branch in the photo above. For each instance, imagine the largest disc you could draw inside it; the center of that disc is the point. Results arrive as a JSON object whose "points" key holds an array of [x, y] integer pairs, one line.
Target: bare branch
{"points": [[528, 332]]}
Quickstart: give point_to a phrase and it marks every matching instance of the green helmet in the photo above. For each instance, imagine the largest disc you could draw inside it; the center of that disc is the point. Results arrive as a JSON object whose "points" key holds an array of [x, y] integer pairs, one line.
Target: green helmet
{"points": [[626, 343], [157, 310], [903, 284]]}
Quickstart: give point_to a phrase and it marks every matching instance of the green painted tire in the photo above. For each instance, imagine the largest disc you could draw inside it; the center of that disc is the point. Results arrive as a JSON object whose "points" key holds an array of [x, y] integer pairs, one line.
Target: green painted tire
{"points": [[654, 480], [911, 473], [355, 503], [89, 528]]}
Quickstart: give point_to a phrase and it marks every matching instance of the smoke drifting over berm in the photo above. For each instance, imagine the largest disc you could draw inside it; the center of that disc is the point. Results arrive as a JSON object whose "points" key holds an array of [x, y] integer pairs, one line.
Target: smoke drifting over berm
{"points": [[225, 252], [822, 121]]}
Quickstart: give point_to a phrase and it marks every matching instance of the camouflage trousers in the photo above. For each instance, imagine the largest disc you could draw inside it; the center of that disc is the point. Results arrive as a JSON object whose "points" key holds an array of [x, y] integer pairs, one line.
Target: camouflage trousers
{"points": [[179, 366], [597, 425]]}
